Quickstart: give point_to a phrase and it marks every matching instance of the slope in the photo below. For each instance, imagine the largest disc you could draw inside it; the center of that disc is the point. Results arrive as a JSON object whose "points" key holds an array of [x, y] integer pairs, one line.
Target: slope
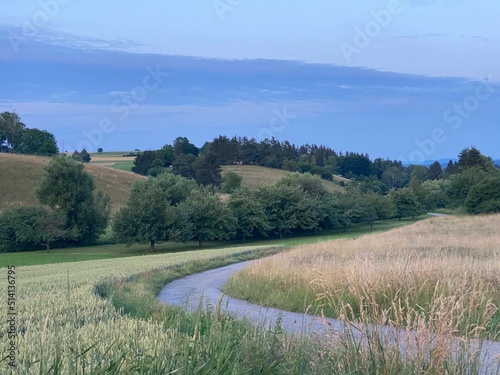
{"points": [[255, 176], [19, 175]]}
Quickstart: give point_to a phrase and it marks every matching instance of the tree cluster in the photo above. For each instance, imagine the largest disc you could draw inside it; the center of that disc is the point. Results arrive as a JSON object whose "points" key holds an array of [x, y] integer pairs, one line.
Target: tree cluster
{"points": [[70, 211], [82, 156], [15, 137], [173, 208], [299, 202], [203, 164]]}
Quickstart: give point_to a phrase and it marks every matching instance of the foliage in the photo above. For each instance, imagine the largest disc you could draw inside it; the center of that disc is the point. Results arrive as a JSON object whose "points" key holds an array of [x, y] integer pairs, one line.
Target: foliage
{"points": [[357, 164], [207, 170], [435, 171], [184, 165], [23, 228], [11, 130], [66, 188], [151, 215], [182, 146], [310, 184], [484, 197], [37, 142], [461, 184], [406, 203], [206, 217], [15, 137], [231, 182], [82, 156], [249, 214], [472, 158], [434, 194], [289, 208], [143, 162]]}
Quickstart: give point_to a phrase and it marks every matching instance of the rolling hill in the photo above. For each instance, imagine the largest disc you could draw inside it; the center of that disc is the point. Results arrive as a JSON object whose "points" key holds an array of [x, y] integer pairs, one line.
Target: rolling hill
{"points": [[255, 176], [19, 175]]}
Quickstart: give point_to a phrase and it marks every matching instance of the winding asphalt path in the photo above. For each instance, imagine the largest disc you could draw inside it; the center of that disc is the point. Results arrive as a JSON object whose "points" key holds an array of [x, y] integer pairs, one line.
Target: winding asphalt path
{"points": [[205, 289]]}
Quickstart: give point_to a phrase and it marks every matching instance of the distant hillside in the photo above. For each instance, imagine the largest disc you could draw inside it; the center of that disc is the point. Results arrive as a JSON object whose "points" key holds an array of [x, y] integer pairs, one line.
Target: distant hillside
{"points": [[19, 175], [255, 176]]}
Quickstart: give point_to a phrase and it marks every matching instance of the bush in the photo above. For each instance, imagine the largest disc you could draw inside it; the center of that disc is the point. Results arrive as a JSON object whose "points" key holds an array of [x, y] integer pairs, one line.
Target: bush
{"points": [[232, 181], [484, 198]]}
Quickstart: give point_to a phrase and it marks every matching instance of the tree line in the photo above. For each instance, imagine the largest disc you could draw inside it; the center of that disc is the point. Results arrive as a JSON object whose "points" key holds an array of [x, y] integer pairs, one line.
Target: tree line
{"points": [[16, 137], [173, 207], [203, 164]]}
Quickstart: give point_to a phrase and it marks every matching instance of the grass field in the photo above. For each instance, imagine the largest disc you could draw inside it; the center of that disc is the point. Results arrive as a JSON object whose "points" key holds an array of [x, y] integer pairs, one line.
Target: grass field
{"points": [[125, 166], [115, 160], [102, 317], [21, 173], [439, 275], [255, 177], [225, 346], [64, 327], [110, 251]]}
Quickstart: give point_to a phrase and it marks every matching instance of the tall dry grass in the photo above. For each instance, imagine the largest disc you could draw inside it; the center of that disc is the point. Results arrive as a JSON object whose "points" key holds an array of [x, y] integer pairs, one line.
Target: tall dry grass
{"points": [[427, 293], [421, 270]]}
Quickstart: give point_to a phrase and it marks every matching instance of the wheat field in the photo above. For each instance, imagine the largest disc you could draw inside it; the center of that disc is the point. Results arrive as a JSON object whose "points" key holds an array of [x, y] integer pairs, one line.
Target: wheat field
{"points": [[442, 271], [434, 286], [65, 328]]}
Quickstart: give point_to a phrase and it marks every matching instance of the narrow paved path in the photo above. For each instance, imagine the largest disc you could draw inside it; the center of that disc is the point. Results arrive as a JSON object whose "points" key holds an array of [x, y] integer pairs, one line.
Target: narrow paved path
{"points": [[205, 288]]}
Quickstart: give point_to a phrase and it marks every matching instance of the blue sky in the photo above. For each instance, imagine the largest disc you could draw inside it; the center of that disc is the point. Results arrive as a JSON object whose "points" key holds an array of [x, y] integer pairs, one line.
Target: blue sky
{"points": [[410, 80]]}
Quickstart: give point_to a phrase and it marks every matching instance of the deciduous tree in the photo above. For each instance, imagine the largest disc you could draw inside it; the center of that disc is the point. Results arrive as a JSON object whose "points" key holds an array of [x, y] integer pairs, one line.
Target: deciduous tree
{"points": [[150, 215], [68, 189], [249, 214], [206, 217], [406, 203], [484, 197]]}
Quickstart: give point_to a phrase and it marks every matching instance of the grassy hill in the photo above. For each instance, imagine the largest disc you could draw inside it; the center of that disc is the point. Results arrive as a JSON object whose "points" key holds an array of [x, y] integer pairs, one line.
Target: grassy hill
{"points": [[255, 176], [19, 175]]}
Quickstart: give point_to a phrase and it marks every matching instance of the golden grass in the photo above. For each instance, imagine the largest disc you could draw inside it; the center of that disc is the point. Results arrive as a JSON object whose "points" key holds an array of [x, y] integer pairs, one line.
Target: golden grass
{"points": [[21, 173], [448, 265], [255, 177]]}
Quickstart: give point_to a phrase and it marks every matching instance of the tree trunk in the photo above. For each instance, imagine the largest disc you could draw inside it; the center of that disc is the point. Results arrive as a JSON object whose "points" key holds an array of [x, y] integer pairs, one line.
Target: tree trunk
{"points": [[371, 225], [48, 247], [151, 246], [200, 243], [281, 235]]}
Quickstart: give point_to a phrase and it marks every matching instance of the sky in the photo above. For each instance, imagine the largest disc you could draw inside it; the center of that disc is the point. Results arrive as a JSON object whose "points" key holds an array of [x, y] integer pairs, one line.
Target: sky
{"points": [[409, 80]]}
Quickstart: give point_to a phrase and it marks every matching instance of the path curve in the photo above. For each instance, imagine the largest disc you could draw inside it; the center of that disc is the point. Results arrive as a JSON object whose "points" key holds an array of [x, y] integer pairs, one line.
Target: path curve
{"points": [[206, 287]]}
